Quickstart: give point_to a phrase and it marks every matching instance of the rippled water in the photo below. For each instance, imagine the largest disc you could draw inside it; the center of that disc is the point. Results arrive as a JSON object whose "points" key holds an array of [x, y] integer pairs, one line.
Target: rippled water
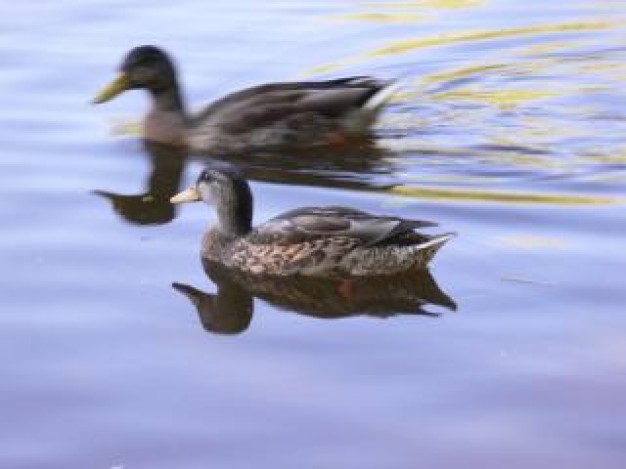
{"points": [[508, 130]]}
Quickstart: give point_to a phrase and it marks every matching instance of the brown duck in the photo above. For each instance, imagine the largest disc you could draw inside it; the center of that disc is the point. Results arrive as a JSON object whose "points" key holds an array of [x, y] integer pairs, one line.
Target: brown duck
{"points": [[266, 117], [306, 241]]}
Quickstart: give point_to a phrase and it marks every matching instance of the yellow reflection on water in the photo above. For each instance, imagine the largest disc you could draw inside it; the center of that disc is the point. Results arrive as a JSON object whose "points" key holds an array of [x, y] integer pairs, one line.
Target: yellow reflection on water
{"points": [[434, 4], [408, 45], [619, 157], [463, 72], [404, 12], [384, 17], [126, 127], [535, 50], [518, 152], [472, 195], [504, 99]]}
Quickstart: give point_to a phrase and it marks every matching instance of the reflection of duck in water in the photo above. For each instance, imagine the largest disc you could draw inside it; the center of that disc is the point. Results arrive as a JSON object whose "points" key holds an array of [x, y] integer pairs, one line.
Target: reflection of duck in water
{"points": [[307, 241], [358, 166], [153, 206], [276, 115], [230, 310], [167, 164], [343, 169]]}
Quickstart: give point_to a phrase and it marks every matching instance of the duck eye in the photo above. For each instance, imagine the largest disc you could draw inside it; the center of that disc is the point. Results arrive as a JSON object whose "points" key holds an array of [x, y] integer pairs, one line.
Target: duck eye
{"points": [[206, 176]]}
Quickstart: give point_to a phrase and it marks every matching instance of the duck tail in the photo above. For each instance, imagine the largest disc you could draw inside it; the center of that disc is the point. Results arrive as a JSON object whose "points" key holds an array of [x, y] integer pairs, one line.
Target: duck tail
{"points": [[424, 252], [382, 96]]}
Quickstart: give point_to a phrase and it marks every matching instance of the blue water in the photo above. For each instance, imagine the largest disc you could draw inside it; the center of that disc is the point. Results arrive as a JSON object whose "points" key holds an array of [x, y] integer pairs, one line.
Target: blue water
{"points": [[509, 131]]}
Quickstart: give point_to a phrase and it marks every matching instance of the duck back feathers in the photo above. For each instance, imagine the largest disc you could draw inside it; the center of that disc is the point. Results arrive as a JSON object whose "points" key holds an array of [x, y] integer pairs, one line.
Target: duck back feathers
{"points": [[327, 241]]}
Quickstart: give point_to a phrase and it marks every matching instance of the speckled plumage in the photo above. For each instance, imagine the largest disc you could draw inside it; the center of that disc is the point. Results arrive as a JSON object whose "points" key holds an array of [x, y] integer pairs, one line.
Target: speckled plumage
{"points": [[329, 240], [270, 116]]}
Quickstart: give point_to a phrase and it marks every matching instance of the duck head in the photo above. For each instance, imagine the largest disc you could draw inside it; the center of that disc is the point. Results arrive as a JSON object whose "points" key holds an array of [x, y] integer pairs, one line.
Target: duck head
{"points": [[144, 67], [224, 186]]}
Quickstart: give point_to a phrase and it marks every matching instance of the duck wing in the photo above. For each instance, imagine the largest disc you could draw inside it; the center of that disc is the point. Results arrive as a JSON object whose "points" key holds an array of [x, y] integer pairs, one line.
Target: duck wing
{"points": [[269, 103], [312, 223]]}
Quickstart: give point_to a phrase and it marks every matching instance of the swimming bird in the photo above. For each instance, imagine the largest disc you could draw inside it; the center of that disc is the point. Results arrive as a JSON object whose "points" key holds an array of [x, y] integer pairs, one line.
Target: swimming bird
{"points": [[265, 117], [305, 241]]}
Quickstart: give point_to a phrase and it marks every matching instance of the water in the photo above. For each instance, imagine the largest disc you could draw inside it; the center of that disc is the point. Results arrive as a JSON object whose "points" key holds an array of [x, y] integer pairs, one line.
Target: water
{"points": [[509, 131]]}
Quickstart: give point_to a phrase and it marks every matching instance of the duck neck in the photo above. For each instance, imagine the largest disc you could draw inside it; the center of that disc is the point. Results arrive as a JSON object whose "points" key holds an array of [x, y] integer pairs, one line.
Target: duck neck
{"points": [[166, 122], [234, 212], [169, 99]]}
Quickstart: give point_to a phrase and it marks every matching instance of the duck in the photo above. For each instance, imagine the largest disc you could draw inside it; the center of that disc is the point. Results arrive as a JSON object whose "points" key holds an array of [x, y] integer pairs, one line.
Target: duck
{"points": [[268, 117], [311, 241]]}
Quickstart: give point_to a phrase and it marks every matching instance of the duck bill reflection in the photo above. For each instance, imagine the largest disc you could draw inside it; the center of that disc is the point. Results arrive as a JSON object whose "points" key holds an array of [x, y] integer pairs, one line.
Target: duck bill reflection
{"points": [[120, 84], [188, 195]]}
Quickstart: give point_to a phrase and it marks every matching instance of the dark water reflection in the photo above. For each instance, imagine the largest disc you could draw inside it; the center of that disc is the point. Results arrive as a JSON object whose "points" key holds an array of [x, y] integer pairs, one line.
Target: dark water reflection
{"points": [[342, 168], [152, 206], [360, 166], [230, 309]]}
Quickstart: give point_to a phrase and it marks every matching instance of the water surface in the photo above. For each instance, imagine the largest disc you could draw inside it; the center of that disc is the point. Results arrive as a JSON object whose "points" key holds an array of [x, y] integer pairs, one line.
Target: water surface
{"points": [[508, 130]]}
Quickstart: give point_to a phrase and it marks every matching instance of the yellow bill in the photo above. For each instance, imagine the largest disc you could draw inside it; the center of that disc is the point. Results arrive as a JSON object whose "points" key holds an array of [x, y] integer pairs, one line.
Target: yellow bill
{"points": [[188, 195], [117, 86]]}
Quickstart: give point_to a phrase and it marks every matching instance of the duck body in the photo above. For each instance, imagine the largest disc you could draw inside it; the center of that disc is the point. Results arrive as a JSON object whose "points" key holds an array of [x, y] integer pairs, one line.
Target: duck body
{"points": [[265, 117], [312, 241], [288, 115], [325, 241]]}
